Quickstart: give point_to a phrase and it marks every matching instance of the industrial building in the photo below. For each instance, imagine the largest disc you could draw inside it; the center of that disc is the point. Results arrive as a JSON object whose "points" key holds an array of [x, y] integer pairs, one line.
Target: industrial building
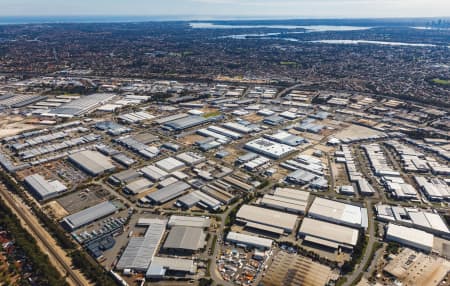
{"points": [[286, 199], [201, 199], [138, 186], [411, 237], [191, 158], [327, 234], [154, 173], [433, 188], [185, 123], [189, 221], [161, 267], [337, 212], [170, 164], [89, 215], [43, 189], [269, 148], [249, 240], [92, 162], [81, 106], [286, 138], [168, 193], [140, 251], [266, 219], [417, 218], [185, 240]]}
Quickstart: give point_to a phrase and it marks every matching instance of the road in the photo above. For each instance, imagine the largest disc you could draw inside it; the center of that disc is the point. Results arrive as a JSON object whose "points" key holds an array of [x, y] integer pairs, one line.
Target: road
{"points": [[366, 256], [56, 254]]}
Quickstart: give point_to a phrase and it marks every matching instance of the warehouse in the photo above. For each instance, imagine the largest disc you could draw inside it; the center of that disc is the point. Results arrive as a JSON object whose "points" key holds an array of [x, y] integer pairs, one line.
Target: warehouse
{"points": [[89, 215], [199, 198], [185, 123], [249, 240], [163, 266], [337, 212], [411, 237], [433, 188], [138, 186], [286, 138], [185, 240], [92, 162], [300, 177], [189, 221], [269, 148], [191, 158], [286, 199], [124, 177], [42, 189], [154, 173], [266, 218], [237, 127], [81, 106], [208, 133], [328, 234], [225, 132], [141, 250], [274, 120], [170, 164], [168, 193]]}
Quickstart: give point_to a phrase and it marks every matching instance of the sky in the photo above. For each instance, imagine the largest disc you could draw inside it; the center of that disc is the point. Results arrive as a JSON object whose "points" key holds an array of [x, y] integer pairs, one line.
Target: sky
{"points": [[204, 9]]}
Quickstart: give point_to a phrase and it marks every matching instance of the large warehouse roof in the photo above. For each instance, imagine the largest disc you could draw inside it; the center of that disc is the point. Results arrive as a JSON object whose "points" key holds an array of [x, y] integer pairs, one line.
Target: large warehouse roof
{"points": [[191, 221], [140, 250], [269, 148], [338, 212], [331, 232], [44, 189], [169, 193], [89, 215], [92, 162], [267, 217], [410, 236], [182, 237], [160, 265], [249, 240]]}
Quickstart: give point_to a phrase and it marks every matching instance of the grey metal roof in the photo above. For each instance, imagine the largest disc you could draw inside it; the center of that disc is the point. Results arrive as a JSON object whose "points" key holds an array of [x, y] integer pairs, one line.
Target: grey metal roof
{"points": [[182, 237], [168, 193], [89, 215], [140, 250], [92, 162]]}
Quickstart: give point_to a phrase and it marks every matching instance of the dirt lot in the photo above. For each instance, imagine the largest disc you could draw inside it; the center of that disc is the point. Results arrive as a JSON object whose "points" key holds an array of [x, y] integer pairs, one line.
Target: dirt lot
{"points": [[12, 125], [356, 131]]}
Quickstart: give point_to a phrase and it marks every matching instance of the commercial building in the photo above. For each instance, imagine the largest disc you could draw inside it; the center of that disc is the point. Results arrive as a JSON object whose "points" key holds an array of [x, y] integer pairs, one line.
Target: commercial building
{"points": [[269, 148], [43, 189], [327, 234], [411, 237], [266, 219], [140, 251], [184, 239], [89, 215], [337, 212], [92, 162], [249, 240]]}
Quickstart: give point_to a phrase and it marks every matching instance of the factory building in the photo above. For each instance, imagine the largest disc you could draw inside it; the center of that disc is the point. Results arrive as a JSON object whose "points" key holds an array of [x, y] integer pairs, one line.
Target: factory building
{"points": [[89, 215], [161, 267], [411, 237], [189, 221], [285, 199], [43, 189], [250, 241], [337, 212], [269, 148], [327, 234], [267, 220], [170, 164], [184, 240], [168, 193], [154, 173], [92, 162]]}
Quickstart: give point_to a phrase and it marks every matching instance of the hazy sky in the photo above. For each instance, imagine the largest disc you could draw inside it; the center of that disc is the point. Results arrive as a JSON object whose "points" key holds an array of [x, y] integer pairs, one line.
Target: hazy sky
{"points": [[230, 8]]}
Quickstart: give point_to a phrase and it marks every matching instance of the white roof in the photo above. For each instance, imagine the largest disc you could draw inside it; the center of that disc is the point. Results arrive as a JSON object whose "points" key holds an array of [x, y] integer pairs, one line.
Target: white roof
{"points": [[329, 231], [249, 239], [336, 212], [267, 217], [410, 235]]}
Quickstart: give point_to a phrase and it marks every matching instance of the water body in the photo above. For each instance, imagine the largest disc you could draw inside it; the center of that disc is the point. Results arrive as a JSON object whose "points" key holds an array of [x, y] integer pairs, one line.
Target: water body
{"points": [[312, 28], [357, 42]]}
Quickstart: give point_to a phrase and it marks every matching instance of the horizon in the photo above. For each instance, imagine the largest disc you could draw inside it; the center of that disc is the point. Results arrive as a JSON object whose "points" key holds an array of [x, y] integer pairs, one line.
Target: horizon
{"points": [[226, 9]]}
